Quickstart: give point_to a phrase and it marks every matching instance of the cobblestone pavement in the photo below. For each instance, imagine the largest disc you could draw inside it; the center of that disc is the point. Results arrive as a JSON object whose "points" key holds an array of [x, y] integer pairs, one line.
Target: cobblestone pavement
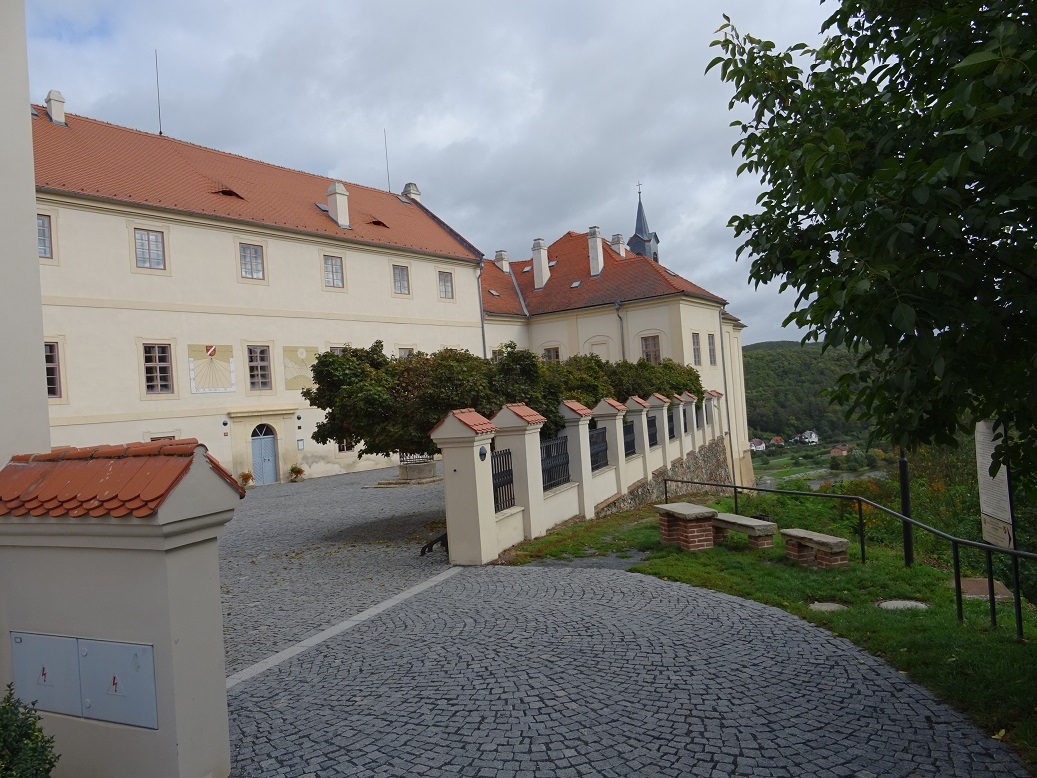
{"points": [[550, 670]]}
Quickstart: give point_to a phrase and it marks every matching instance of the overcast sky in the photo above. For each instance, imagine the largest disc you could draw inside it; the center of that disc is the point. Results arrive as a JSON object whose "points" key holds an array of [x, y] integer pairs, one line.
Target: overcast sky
{"points": [[517, 120]]}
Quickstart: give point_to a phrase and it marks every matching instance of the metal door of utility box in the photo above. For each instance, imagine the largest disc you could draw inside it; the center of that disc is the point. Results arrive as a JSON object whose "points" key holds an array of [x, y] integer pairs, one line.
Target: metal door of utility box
{"points": [[118, 682], [46, 670]]}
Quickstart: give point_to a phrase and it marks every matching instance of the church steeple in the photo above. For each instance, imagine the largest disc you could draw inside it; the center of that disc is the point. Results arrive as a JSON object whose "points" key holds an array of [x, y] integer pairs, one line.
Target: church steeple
{"points": [[643, 241]]}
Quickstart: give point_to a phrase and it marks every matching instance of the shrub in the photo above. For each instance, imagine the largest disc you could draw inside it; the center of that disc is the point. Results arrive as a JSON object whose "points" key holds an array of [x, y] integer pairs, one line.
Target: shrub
{"points": [[25, 752]]}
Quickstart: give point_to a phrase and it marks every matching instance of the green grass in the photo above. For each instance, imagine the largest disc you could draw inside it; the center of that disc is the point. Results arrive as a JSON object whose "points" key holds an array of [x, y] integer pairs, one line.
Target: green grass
{"points": [[984, 672]]}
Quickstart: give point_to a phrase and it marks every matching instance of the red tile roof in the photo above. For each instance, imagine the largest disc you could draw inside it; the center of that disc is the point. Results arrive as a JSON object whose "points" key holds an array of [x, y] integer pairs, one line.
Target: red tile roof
{"points": [[471, 418], [131, 479], [638, 400], [526, 413], [661, 396], [615, 403], [628, 278], [577, 407], [94, 159]]}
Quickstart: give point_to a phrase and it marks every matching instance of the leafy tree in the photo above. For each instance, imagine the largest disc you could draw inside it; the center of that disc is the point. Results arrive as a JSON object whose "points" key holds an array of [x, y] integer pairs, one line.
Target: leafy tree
{"points": [[25, 751], [899, 163]]}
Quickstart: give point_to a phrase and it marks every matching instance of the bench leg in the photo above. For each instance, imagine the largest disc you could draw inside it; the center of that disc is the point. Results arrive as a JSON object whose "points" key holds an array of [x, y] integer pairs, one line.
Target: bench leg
{"points": [[761, 541], [827, 560], [719, 535], [690, 535], [799, 552]]}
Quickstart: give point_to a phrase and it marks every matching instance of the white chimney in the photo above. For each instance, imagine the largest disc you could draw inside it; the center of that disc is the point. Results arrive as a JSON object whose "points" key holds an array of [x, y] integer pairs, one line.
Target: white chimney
{"points": [[500, 259], [541, 272], [338, 204], [618, 245], [597, 253], [56, 106], [411, 190]]}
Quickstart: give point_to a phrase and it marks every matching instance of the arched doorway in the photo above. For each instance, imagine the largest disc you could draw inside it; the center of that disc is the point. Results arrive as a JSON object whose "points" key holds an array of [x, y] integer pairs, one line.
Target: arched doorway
{"points": [[264, 454]]}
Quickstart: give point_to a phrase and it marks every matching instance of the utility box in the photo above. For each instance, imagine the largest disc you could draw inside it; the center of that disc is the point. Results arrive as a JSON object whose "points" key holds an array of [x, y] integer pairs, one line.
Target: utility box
{"points": [[111, 615]]}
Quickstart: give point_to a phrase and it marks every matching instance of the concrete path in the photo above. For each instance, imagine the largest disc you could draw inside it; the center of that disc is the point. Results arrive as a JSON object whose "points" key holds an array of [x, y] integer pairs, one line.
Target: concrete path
{"points": [[543, 670]]}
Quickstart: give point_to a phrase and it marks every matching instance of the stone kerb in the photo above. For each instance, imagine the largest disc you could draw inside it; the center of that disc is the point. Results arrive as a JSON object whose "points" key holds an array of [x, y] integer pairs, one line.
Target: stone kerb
{"points": [[518, 429], [637, 412], [609, 414], [108, 553], [577, 429], [464, 437]]}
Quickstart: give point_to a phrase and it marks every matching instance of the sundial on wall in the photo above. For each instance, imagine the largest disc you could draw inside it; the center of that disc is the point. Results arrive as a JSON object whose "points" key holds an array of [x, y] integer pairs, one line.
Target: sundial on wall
{"points": [[298, 361], [211, 368]]}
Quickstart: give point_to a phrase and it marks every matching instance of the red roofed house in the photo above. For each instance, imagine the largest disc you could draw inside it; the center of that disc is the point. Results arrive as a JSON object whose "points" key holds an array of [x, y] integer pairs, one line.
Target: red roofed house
{"points": [[187, 291], [586, 295]]}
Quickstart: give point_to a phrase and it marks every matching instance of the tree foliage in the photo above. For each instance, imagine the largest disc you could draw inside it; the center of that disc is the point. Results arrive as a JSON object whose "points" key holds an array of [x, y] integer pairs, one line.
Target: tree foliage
{"points": [[899, 164], [785, 391], [383, 405], [25, 751]]}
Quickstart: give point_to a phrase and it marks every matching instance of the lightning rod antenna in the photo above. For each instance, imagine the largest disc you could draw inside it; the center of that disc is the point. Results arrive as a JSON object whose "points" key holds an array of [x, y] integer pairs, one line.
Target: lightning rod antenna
{"points": [[158, 94], [385, 141]]}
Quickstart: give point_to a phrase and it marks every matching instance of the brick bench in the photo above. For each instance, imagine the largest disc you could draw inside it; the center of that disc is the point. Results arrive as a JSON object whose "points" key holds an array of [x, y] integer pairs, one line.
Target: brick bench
{"points": [[810, 548], [686, 525], [760, 533]]}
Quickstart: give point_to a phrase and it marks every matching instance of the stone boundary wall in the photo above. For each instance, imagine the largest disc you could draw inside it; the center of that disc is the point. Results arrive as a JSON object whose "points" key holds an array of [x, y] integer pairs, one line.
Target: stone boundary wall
{"points": [[710, 463]]}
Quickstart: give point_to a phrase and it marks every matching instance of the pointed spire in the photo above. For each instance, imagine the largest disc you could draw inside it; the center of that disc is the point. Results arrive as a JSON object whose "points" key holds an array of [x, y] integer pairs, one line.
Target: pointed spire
{"points": [[643, 241]]}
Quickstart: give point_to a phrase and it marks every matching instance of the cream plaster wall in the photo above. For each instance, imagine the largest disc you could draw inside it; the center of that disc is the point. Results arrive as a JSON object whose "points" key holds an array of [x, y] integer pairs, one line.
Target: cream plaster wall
{"points": [[101, 309], [23, 392], [500, 330]]}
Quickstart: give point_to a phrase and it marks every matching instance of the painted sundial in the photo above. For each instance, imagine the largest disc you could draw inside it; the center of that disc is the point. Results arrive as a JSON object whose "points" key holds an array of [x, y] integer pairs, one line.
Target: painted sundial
{"points": [[298, 360], [211, 368]]}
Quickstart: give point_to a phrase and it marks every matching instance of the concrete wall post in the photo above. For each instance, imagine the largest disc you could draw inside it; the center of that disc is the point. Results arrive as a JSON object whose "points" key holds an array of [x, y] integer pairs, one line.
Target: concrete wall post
{"points": [[609, 414], [637, 412], [519, 430], [577, 430]]}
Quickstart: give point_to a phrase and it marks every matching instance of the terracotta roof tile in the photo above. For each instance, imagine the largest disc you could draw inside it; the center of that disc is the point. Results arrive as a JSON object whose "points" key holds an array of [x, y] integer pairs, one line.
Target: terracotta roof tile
{"points": [[576, 407], [615, 403], [104, 161], [661, 396], [526, 413], [628, 278], [103, 480], [472, 419], [638, 400]]}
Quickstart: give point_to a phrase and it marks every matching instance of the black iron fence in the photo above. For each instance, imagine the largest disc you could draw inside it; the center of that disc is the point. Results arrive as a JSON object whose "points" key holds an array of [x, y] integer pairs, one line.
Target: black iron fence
{"points": [[671, 426], [503, 480], [956, 543], [554, 462], [629, 439], [415, 459], [684, 413], [653, 431], [599, 449]]}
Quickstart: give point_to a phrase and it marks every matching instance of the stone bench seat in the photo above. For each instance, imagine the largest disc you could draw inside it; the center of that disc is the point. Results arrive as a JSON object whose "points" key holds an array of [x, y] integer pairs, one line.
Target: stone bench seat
{"points": [[686, 524], [760, 533], [815, 548]]}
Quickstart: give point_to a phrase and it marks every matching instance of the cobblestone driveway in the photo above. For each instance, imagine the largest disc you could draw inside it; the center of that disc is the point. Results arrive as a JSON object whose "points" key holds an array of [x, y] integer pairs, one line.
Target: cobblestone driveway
{"points": [[543, 670]]}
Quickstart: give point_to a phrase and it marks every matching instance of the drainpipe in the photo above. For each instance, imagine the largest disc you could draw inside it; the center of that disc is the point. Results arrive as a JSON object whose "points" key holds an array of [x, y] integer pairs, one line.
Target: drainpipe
{"points": [[482, 313], [727, 396], [622, 338]]}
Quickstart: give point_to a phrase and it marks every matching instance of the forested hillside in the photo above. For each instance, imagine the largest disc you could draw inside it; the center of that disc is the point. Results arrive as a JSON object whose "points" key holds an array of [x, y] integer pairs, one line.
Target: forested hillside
{"points": [[784, 381]]}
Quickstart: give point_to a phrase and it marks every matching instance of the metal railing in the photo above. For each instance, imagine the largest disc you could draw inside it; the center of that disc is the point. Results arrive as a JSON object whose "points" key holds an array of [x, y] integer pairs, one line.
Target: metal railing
{"points": [[554, 462], [415, 459], [684, 413], [599, 449], [503, 480], [671, 426], [956, 543], [653, 432], [629, 439]]}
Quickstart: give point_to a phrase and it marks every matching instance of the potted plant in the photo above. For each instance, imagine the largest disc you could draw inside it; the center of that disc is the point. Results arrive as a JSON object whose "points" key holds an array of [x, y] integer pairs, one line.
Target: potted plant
{"points": [[247, 479], [296, 472]]}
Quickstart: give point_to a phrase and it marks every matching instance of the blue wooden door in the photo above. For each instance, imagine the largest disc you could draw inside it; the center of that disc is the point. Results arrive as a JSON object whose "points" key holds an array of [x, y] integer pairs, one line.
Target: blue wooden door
{"points": [[264, 454]]}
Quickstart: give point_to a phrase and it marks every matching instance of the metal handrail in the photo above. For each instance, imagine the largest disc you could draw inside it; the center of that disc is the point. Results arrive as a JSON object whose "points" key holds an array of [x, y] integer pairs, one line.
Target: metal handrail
{"points": [[955, 542]]}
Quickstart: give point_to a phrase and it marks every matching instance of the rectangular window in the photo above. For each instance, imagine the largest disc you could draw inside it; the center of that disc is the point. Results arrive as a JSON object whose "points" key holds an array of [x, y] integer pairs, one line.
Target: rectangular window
{"points": [[53, 365], [44, 238], [251, 261], [552, 354], [337, 350], [333, 272], [400, 279], [446, 285], [650, 350], [712, 349], [158, 368], [696, 349], [496, 355], [344, 447], [406, 352], [149, 246], [259, 376]]}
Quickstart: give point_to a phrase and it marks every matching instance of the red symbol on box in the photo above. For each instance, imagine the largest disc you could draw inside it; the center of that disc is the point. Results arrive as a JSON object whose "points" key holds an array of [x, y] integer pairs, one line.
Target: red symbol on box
{"points": [[43, 676], [210, 351], [113, 688]]}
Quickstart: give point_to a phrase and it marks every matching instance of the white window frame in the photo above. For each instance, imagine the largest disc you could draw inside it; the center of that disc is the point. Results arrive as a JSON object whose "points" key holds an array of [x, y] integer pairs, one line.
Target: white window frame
{"points": [[341, 272], [251, 387], [264, 254], [149, 234], [51, 217], [402, 285], [658, 349], [696, 349], [143, 368], [58, 342], [410, 351], [551, 354], [45, 236], [712, 341], [447, 275]]}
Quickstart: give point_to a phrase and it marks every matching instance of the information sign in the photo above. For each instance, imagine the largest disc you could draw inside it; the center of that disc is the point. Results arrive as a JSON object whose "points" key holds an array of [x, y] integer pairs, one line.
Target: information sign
{"points": [[995, 494]]}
